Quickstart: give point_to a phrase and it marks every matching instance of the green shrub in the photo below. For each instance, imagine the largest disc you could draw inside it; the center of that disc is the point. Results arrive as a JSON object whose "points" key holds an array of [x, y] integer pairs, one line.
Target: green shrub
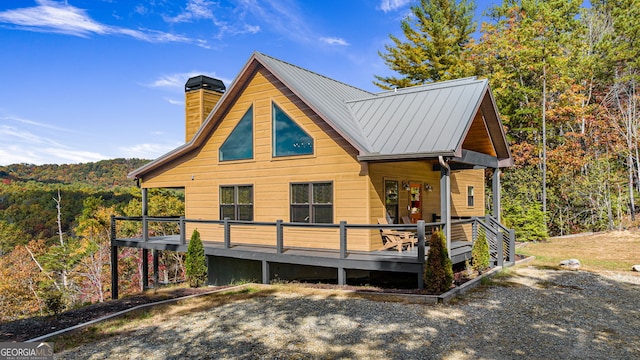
{"points": [[54, 301], [438, 274], [480, 253], [195, 261]]}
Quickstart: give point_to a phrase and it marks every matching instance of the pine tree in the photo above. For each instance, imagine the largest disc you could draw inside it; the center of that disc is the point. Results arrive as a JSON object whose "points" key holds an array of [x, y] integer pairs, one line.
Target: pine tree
{"points": [[195, 262], [438, 275], [437, 37]]}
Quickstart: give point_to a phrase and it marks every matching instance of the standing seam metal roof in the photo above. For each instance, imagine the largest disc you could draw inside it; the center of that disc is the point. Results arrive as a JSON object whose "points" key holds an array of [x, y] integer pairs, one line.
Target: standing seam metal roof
{"points": [[420, 121], [425, 119]]}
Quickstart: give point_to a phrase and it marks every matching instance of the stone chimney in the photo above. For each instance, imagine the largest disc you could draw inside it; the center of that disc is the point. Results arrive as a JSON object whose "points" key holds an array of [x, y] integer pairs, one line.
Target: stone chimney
{"points": [[201, 95]]}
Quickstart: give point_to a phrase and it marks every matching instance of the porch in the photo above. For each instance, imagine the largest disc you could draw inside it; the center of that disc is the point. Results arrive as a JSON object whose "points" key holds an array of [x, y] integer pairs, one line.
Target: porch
{"points": [[340, 259]]}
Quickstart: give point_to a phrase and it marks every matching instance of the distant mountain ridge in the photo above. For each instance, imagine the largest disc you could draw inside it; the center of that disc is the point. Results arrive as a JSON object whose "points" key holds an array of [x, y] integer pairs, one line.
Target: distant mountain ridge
{"points": [[103, 174]]}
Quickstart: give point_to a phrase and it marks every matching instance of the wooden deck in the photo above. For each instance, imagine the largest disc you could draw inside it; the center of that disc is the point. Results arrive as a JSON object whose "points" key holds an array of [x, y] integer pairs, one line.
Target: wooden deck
{"points": [[386, 260], [228, 256]]}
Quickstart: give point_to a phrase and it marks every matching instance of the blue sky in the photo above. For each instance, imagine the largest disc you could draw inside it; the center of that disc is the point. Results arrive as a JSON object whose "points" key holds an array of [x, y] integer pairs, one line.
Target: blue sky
{"points": [[87, 80]]}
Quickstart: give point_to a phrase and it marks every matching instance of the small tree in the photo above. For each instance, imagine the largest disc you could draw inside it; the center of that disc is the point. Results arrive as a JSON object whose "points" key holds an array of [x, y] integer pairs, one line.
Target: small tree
{"points": [[438, 275], [480, 253], [195, 262]]}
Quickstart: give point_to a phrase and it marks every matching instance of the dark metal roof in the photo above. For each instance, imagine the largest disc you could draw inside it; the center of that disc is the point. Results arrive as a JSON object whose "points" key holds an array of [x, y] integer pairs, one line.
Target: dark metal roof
{"points": [[426, 119]]}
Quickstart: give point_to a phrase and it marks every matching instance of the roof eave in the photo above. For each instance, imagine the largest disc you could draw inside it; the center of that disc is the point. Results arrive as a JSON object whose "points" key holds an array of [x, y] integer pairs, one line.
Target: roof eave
{"points": [[405, 156]]}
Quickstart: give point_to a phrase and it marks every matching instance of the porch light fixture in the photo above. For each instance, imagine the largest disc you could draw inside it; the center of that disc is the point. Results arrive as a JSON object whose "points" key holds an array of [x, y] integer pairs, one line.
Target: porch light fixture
{"points": [[428, 187], [405, 185]]}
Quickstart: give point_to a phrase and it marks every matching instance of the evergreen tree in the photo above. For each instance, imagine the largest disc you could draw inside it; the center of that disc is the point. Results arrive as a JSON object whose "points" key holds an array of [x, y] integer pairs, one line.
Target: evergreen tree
{"points": [[480, 253], [438, 275], [195, 262], [437, 37]]}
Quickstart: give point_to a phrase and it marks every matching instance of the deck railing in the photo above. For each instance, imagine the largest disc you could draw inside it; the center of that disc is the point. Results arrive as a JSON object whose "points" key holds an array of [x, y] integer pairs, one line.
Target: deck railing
{"points": [[501, 239], [142, 230]]}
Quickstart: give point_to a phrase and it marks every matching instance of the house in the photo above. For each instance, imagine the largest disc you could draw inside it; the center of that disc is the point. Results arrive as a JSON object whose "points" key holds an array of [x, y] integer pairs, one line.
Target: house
{"points": [[277, 169]]}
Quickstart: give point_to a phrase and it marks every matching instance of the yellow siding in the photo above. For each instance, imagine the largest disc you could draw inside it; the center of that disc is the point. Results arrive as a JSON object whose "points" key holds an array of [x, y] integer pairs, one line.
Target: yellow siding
{"points": [[358, 196], [334, 160], [198, 105], [460, 180]]}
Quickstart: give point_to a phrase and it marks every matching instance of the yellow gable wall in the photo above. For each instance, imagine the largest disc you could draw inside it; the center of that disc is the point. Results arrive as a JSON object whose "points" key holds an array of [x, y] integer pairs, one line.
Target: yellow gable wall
{"points": [[201, 174]]}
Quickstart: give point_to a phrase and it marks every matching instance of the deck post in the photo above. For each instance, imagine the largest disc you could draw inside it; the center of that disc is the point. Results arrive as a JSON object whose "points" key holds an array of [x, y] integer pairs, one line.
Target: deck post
{"points": [[421, 251], [265, 272], [343, 239], [183, 235], [145, 229], [145, 269], [114, 259], [495, 189], [421, 240], [445, 201], [342, 276], [500, 246], [114, 272], [279, 237], [145, 213], [156, 276], [512, 246], [227, 233], [145, 201]]}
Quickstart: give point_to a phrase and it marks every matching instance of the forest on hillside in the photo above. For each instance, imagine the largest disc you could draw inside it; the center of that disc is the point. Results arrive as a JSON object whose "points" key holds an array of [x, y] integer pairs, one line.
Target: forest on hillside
{"points": [[54, 234], [565, 80]]}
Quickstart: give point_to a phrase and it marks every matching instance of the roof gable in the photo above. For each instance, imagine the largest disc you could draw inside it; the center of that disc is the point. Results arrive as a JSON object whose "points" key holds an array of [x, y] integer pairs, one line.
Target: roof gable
{"points": [[424, 121]]}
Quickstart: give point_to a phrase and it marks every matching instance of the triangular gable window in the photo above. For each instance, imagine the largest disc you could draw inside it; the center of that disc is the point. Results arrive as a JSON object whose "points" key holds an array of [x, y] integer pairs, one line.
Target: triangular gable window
{"points": [[239, 144], [288, 138]]}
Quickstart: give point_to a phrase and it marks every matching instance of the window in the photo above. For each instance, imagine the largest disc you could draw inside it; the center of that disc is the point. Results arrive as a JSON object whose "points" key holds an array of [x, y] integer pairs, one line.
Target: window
{"points": [[312, 202], [470, 199], [288, 138], [236, 202], [239, 144], [391, 200]]}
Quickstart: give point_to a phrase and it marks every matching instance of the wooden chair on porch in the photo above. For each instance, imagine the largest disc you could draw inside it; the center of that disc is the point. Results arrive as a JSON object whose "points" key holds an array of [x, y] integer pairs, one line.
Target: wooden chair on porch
{"points": [[396, 239]]}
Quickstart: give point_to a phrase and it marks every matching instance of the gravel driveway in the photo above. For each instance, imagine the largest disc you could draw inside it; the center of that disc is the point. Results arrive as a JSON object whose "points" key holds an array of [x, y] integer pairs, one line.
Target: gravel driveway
{"points": [[533, 314]]}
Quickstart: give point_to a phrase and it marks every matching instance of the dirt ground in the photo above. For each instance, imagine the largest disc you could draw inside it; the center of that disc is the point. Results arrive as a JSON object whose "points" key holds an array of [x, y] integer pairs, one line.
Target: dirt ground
{"points": [[25, 329]]}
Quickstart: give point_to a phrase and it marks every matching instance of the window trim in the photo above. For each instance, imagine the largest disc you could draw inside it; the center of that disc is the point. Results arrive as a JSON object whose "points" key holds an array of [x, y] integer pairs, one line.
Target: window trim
{"points": [[235, 204], [311, 205], [471, 201]]}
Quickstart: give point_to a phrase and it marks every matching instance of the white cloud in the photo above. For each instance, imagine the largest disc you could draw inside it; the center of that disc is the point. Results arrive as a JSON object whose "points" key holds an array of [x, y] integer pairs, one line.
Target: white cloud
{"points": [[195, 10], [390, 5], [24, 146], [147, 151], [172, 80], [177, 80], [334, 41], [175, 102], [58, 17], [34, 123]]}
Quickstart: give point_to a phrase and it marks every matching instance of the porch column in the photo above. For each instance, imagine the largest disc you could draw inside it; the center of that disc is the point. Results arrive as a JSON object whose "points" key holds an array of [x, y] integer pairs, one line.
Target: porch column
{"points": [[145, 203], [445, 201], [497, 210]]}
